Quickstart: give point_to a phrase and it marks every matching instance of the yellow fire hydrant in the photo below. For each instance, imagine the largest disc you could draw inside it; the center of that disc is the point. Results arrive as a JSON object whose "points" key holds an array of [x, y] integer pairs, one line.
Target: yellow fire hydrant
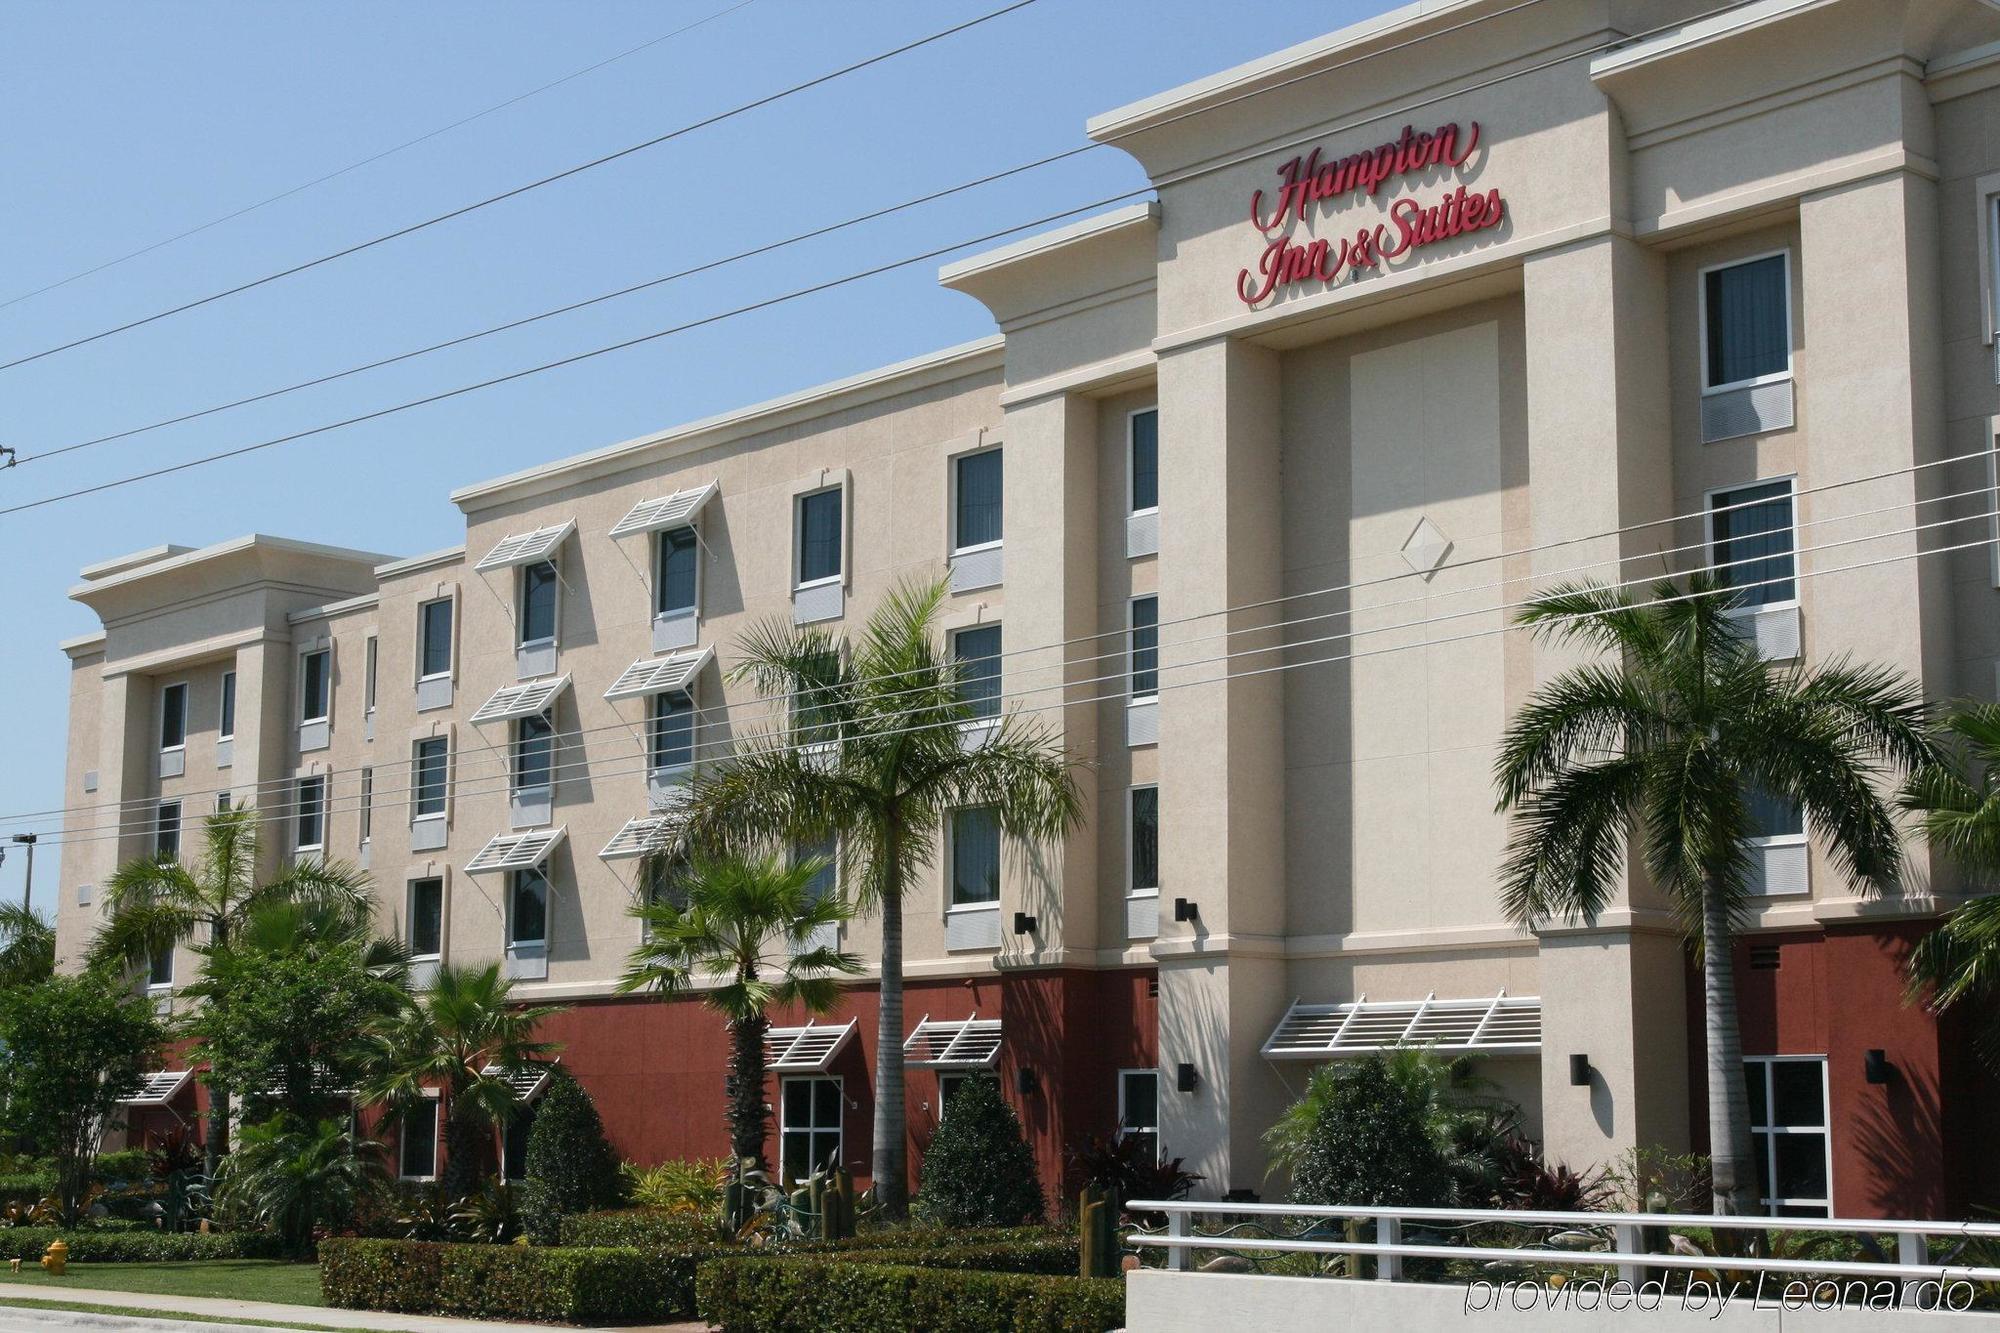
{"points": [[57, 1259]]}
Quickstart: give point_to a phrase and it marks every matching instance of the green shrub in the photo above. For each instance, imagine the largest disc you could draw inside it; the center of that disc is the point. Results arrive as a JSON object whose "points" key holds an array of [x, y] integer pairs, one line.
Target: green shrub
{"points": [[32, 1179], [693, 1186], [750, 1295], [978, 1171], [571, 1167], [1362, 1135], [607, 1285], [646, 1228], [1057, 1257], [123, 1245]]}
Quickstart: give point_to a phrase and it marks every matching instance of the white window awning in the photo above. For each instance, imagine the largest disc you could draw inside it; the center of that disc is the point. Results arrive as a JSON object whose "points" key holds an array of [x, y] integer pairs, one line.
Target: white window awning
{"points": [[674, 511], [516, 851], [158, 1088], [805, 1050], [524, 700], [961, 1043], [658, 675], [1501, 1024], [525, 548], [528, 1082], [644, 836]]}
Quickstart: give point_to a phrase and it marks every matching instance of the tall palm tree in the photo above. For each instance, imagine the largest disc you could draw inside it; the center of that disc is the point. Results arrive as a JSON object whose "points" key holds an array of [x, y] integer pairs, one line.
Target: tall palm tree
{"points": [[875, 754], [155, 903], [27, 947], [1669, 742], [446, 1040], [1960, 817], [748, 924]]}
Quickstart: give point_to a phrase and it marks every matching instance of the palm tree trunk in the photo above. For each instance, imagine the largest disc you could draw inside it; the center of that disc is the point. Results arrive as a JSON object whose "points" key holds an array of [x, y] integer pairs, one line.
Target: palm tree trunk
{"points": [[464, 1154], [215, 1141], [749, 1117], [1729, 1143], [890, 1165]]}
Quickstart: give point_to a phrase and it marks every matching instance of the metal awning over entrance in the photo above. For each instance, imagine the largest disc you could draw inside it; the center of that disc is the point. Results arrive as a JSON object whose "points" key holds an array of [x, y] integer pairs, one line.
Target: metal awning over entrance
{"points": [[948, 1044], [158, 1088], [1501, 1024], [805, 1050], [528, 1082]]}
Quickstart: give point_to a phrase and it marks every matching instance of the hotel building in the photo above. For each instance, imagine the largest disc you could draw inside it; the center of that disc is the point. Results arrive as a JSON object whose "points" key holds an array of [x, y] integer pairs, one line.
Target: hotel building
{"points": [[1429, 314]]}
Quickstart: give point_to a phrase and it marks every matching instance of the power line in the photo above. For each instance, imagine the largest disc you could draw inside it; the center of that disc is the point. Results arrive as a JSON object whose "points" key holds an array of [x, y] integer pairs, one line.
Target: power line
{"points": [[518, 190], [724, 710], [510, 325], [503, 782], [375, 157], [559, 363]]}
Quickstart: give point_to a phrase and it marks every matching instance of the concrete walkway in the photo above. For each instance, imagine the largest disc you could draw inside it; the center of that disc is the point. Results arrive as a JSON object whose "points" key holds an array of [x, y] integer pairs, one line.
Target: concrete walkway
{"points": [[207, 1315]]}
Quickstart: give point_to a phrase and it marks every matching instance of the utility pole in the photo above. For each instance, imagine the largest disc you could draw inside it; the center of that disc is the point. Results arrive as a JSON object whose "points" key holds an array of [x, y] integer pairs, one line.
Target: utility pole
{"points": [[28, 892]]}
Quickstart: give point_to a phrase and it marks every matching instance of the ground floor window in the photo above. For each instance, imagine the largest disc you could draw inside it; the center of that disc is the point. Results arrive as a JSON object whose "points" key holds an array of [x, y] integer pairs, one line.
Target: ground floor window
{"points": [[1139, 1107], [948, 1086], [418, 1148], [1789, 1132], [808, 1125]]}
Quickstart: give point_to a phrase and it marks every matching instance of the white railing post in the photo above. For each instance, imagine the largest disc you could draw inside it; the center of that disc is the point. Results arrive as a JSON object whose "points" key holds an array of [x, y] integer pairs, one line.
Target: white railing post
{"points": [[1911, 1248], [1626, 1237], [1178, 1256], [1388, 1267]]}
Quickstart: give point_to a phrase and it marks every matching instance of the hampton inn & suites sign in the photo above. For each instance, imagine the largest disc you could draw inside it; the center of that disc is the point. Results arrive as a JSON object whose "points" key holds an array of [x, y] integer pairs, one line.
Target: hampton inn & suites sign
{"points": [[1312, 180]]}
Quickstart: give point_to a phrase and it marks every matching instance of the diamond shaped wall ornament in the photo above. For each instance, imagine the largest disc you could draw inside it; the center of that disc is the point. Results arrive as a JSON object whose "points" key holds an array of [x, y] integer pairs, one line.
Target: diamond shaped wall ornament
{"points": [[1426, 548]]}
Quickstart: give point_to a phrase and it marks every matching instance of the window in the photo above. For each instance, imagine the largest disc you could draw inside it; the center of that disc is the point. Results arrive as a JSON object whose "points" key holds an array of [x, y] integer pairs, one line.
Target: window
{"points": [[538, 602], [534, 752], [434, 639], [1139, 1106], [514, 1154], [673, 730], [226, 728], [1145, 864], [815, 708], [167, 831], [1145, 454], [417, 1152], [977, 499], [1746, 322], [1145, 647], [222, 803], [173, 716], [948, 1086], [317, 695], [427, 777], [311, 806], [160, 969], [1788, 1128], [367, 804], [977, 652], [664, 880], [372, 655], [819, 536], [528, 909], [1751, 543], [674, 589], [426, 918], [823, 883], [808, 1125], [975, 857]]}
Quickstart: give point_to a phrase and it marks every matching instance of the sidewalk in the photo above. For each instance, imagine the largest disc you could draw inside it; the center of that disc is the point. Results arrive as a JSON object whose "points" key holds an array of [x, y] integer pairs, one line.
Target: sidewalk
{"points": [[204, 1315]]}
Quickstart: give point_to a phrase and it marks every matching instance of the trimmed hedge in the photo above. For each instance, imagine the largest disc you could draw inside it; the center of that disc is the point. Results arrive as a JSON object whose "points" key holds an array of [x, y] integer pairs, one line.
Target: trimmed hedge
{"points": [[759, 1295], [652, 1228], [598, 1285], [128, 1246]]}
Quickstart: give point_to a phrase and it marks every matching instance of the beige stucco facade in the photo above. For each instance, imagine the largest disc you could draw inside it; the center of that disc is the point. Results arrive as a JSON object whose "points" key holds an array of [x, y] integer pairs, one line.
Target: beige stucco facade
{"points": [[1530, 394]]}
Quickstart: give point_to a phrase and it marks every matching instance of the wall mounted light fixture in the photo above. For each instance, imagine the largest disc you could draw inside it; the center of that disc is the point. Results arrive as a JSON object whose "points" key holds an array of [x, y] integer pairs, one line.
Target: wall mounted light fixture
{"points": [[1185, 1078], [1024, 923], [1185, 910], [1579, 1071], [1876, 1067], [1025, 1081]]}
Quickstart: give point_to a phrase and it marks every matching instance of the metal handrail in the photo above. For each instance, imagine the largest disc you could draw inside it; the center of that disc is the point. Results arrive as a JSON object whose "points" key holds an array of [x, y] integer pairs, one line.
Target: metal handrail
{"points": [[1756, 1223]]}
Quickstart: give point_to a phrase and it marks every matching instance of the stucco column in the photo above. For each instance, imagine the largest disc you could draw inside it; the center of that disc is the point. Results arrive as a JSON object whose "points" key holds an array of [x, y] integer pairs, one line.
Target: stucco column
{"points": [[1051, 573], [264, 738], [1599, 459], [122, 805], [1222, 792]]}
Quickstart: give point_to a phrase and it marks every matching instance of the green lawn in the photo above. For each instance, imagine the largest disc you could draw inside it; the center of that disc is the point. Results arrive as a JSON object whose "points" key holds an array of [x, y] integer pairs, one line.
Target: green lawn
{"points": [[231, 1279]]}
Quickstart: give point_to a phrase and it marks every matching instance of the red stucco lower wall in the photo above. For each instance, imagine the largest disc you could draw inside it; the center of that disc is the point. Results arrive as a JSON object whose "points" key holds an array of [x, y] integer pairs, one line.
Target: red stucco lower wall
{"points": [[656, 1067], [1909, 1147]]}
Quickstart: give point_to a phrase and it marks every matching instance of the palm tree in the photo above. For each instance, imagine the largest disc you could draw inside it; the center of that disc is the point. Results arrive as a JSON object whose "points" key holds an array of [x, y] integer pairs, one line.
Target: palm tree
{"points": [[875, 754], [295, 1175], [749, 924], [27, 947], [1670, 742], [155, 903], [446, 1040], [1960, 817]]}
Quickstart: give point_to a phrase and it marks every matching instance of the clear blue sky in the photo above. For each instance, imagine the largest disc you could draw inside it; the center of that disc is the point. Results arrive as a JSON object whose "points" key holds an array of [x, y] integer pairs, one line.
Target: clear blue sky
{"points": [[129, 122]]}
